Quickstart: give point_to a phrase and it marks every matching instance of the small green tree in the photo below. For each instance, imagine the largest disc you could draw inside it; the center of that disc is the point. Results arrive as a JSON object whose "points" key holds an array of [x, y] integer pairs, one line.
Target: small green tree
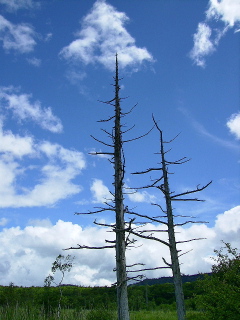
{"points": [[62, 264], [220, 296]]}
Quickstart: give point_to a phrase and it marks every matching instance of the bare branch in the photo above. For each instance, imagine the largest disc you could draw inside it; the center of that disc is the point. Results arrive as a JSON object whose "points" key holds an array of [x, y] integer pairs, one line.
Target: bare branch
{"points": [[88, 247], [97, 211], [147, 217], [148, 269], [101, 153], [190, 240], [192, 191], [106, 144], [186, 222], [185, 253], [144, 135], [150, 238], [106, 120], [147, 170], [104, 224], [168, 264], [126, 113]]}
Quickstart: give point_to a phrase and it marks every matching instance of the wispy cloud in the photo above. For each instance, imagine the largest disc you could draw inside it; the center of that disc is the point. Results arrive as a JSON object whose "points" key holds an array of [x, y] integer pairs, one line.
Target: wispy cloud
{"points": [[34, 61], [234, 125], [101, 36], [209, 32], [23, 109], [16, 37], [203, 131], [14, 5]]}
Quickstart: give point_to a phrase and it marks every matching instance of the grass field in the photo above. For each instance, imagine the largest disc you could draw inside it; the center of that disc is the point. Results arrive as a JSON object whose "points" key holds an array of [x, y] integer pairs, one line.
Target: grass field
{"points": [[29, 313]]}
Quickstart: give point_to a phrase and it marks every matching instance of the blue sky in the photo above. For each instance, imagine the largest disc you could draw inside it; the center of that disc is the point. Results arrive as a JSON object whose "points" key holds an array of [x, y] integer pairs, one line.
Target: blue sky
{"points": [[179, 60]]}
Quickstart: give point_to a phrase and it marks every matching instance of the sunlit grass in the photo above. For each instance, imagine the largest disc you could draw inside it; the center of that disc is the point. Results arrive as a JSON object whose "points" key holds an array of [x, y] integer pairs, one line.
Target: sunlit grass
{"points": [[32, 313]]}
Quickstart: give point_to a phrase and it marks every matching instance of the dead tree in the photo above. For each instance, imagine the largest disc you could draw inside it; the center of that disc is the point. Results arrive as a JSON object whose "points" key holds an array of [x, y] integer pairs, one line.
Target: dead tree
{"points": [[162, 184], [120, 227]]}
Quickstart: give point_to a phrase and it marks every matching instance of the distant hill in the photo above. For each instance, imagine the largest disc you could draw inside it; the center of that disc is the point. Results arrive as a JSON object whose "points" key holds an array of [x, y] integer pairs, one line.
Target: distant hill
{"points": [[185, 278]]}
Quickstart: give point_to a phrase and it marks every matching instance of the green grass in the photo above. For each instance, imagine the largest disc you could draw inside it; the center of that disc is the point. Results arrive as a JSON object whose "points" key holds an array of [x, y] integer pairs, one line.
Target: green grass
{"points": [[32, 313]]}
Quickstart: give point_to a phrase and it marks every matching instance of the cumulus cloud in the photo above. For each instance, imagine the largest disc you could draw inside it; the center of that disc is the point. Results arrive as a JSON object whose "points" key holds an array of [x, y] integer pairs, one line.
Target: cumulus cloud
{"points": [[27, 254], [226, 10], [51, 174], [100, 192], [23, 109], [229, 221], [101, 36], [14, 145], [143, 196], [14, 5], [234, 125], [17, 37], [29, 260], [209, 33]]}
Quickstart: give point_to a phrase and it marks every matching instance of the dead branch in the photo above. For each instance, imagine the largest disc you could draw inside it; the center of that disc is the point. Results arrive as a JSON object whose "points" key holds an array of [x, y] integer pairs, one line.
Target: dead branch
{"points": [[150, 238], [147, 170], [106, 144], [194, 239], [186, 222], [148, 269], [192, 191], [147, 217], [144, 135], [100, 153], [89, 247]]}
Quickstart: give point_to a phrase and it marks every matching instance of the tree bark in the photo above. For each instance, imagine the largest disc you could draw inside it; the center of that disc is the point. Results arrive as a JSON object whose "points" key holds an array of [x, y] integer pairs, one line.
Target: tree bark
{"points": [[172, 241], [122, 297]]}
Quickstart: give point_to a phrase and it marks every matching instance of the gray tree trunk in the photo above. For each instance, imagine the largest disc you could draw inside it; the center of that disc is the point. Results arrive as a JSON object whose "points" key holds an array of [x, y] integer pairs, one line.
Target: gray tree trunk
{"points": [[122, 296], [172, 241]]}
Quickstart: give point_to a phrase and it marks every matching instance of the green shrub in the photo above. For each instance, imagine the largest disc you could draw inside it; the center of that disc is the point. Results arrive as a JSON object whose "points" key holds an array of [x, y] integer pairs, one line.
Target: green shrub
{"points": [[220, 292], [100, 314]]}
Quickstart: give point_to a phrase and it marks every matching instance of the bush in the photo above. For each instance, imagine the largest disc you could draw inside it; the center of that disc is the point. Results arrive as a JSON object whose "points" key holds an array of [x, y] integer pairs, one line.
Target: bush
{"points": [[221, 290], [100, 314]]}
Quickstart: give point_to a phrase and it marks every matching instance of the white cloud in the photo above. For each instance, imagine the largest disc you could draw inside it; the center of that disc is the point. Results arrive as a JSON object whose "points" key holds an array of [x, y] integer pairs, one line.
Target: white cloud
{"points": [[48, 37], [102, 36], [17, 37], [51, 174], [23, 109], [3, 221], [202, 44], [143, 196], [27, 254], [234, 124], [14, 5], [226, 10], [100, 192], [229, 221], [208, 35], [34, 61], [15, 145]]}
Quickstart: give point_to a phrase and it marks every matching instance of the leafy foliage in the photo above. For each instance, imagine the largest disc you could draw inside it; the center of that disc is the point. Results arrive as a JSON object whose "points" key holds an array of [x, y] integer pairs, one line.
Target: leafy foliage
{"points": [[220, 296], [62, 264]]}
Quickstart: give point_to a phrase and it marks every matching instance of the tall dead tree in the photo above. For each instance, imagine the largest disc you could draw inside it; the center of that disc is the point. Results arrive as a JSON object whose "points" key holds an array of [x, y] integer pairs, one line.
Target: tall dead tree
{"points": [[118, 160], [162, 184], [120, 227]]}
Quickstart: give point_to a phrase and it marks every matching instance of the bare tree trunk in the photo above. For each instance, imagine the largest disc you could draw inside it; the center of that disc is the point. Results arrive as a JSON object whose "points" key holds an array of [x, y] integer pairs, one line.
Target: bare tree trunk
{"points": [[122, 297], [172, 241]]}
